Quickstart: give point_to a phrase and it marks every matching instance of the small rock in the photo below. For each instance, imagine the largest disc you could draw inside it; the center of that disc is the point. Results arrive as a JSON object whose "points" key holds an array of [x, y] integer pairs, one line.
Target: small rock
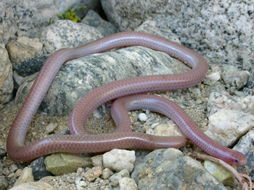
{"points": [[97, 160], [93, 173], [167, 129], [51, 127], [118, 159], [33, 186], [142, 117], [116, 177], [234, 78], [80, 183], [106, 173], [3, 183], [217, 171], [39, 169], [23, 49], [127, 183], [61, 163], [226, 126], [25, 177], [214, 76]]}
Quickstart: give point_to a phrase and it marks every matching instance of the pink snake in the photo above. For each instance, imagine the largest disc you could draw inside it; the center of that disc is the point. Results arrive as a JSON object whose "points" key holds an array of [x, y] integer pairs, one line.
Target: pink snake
{"points": [[82, 142]]}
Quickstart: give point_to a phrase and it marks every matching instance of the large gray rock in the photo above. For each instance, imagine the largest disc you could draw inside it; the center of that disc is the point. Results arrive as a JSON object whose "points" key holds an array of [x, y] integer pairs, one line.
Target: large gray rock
{"points": [[168, 169], [222, 30], [28, 17], [79, 76], [6, 81]]}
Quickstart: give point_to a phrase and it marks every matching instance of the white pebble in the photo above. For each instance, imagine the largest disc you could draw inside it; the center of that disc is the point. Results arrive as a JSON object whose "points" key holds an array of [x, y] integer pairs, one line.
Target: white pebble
{"points": [[142, 117], [215, 76], [118, 159]]}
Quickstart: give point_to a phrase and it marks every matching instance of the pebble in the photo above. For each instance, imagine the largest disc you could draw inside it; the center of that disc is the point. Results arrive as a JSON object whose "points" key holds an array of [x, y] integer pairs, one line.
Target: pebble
{"points": [[127, 183], [97, 160], [226, 126], [142, 117], [51, 127], [117, 176], [118, 159], [25, 177], [33, 186], [214, 76], [61, 163], [39, 169], [106, 173], [93, 173], [235, 78]]}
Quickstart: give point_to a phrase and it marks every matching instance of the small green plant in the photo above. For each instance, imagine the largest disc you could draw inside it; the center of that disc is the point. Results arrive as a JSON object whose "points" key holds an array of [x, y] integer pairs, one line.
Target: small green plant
{"points": [[71, 14]]}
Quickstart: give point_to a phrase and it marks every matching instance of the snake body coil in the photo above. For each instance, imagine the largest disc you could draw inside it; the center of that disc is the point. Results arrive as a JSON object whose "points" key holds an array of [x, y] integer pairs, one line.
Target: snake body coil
{"points": [[80, 141]]}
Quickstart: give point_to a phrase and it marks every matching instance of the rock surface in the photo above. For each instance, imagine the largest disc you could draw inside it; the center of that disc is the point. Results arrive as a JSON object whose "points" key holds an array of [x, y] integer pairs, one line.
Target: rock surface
{"points": [[226, 126], [28, 17], [217, 171], [81, 75], [22, 52], [6, 81], [246, 145], [222, 100], [23, 48], [170, 169], [67, 34], [220, 30]]}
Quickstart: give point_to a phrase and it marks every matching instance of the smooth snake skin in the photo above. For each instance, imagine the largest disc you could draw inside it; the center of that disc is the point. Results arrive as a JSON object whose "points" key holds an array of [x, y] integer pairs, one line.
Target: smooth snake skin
{"points": [[82, 142]]}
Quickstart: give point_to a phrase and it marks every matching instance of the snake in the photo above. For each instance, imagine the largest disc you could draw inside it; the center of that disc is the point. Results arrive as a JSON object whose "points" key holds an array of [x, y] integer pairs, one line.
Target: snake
{"points": [[128, 94]]}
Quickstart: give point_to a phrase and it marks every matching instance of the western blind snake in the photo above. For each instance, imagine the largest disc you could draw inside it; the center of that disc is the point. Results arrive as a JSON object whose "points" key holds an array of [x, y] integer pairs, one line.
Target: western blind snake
{"points": [[127, 92]]}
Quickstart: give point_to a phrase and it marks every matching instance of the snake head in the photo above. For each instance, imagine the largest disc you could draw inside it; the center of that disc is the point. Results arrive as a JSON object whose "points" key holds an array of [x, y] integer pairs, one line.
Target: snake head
{"points": [[236, 158]]}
